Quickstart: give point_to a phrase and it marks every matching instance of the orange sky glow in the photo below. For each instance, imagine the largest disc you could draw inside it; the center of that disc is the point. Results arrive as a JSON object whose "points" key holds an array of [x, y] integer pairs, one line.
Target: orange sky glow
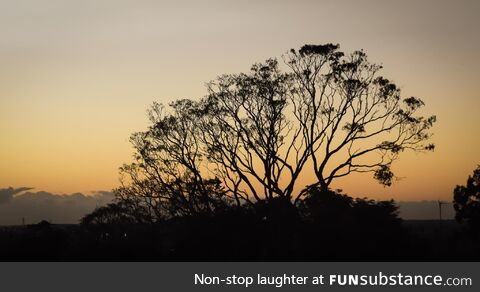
{"points": [[76, 78]]}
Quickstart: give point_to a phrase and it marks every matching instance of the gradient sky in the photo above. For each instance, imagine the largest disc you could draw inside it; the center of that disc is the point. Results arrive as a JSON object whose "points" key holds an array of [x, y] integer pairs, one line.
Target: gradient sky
{"points": [[76, 77]]}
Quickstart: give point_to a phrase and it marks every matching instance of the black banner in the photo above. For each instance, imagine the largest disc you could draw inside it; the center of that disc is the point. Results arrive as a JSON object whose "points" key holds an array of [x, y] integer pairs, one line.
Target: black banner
{"points": [[241, 276]]}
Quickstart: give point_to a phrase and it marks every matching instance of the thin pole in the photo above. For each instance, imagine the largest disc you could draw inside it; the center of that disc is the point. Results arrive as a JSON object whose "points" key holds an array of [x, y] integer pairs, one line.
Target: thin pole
{"points": [[440, 210]]}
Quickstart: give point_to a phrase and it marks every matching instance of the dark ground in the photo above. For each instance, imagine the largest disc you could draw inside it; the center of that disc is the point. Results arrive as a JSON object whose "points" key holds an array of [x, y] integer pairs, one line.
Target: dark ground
{"points": [[222, 240]]}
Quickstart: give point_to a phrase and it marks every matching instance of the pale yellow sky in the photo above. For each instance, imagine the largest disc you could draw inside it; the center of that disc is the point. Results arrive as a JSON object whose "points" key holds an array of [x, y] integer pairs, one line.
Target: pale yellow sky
{"points": [[76, 77]]}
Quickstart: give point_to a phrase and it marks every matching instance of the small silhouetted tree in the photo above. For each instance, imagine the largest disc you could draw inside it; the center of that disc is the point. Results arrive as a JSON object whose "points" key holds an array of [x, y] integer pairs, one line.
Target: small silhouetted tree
{"points": [[334, 220], [116, 213], [466, 201], [251, 138], [333, 208]]}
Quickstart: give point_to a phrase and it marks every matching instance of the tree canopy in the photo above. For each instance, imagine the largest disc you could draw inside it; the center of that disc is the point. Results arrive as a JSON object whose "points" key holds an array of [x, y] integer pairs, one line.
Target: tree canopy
{"points": [[466, 201], [255, 134]]}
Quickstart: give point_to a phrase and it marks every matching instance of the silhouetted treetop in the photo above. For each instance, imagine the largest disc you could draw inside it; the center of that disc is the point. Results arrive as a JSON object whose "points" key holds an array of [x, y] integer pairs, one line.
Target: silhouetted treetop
{"points": [[466, 201], [317, 50]]}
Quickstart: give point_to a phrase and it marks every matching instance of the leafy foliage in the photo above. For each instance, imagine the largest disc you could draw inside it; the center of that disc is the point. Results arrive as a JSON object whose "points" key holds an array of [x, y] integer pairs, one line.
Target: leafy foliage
{"points": [[467, 201], [335, 208]]}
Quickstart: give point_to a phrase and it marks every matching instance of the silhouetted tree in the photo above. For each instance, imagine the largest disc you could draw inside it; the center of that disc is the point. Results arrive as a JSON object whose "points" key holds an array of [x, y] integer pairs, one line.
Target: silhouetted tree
{"points": [[165, 180], [334, 220], [335, 110], [251, 137], [335, 208], [354, 120], [466, 201], [113, 213]]}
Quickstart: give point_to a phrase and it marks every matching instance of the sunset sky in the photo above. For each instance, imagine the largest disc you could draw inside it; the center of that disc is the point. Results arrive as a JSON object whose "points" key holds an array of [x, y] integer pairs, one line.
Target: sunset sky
{"points": [[76, 77]]}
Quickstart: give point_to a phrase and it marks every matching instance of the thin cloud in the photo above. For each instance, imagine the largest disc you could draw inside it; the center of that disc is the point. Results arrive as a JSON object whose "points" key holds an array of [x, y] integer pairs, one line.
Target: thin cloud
{"points": [[21, 205], [7, 194], [17, 204]]}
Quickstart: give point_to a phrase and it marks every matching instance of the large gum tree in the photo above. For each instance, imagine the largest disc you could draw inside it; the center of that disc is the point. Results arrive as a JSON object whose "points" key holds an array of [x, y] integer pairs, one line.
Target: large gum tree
{"points": [[255, 134]]}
